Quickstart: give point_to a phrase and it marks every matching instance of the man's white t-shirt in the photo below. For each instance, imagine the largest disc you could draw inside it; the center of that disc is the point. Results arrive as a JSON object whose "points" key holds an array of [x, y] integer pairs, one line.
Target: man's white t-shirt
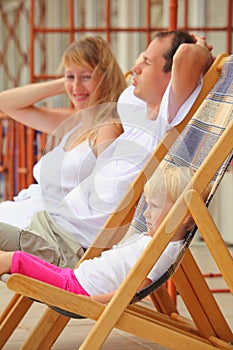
{"points": [[85, 209]]}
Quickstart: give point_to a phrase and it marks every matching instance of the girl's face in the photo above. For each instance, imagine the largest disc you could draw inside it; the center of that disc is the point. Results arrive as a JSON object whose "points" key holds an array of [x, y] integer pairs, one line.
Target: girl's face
{"points": [[156, 211], [79, 85]]}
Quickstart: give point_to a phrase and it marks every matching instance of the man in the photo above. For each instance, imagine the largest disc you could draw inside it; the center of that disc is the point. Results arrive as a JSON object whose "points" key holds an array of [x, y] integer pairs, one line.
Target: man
{"points": [[168, 79]]}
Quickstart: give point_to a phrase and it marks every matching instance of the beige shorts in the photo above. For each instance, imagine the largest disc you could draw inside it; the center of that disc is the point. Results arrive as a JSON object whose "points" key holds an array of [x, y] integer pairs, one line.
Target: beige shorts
{"points": [[44, 239]]}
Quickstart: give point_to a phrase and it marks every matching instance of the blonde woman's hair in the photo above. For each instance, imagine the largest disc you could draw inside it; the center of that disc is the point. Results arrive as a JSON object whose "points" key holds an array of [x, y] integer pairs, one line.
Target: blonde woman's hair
{"points": [[94, 53]]}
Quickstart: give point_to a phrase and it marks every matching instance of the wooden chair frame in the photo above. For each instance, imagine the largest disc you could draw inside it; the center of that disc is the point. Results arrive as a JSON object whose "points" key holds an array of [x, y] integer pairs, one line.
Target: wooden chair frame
{"points": [[104, 241]]}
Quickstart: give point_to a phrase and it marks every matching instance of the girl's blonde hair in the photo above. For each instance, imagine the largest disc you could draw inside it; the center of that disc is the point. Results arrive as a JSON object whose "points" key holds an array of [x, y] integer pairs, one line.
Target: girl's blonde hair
{"points": [[94, 53], [170, 182]]}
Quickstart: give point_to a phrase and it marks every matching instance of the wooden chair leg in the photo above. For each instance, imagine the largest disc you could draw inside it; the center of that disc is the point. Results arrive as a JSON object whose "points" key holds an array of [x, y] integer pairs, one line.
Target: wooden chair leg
{"points": [[163, 301], [12, 315], [46, 331], [172, 290], [199, 300], [212, 236], [9, 306]]}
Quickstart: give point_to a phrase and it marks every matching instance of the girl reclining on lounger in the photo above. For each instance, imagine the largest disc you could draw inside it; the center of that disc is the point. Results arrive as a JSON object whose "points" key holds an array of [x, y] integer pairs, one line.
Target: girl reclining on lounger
{"points": [[100, 277]]}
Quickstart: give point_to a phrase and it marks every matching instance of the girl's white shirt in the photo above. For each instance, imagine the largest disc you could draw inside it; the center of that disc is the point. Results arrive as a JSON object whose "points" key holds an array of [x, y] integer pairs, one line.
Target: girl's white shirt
{"points": [[105, 274]]}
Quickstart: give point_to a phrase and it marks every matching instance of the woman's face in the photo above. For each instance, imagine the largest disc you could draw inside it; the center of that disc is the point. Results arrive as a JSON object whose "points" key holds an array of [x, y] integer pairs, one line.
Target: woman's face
{"points": [[80, 85]]}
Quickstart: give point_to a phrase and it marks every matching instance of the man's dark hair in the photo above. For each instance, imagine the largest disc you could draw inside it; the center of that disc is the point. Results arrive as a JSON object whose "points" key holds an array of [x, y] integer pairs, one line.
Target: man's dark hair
{"points": [[179, 38]]}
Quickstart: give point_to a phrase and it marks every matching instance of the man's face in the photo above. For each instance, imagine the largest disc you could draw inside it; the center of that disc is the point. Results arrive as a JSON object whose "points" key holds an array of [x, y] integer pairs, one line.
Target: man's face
{"points": [[149, 79]]}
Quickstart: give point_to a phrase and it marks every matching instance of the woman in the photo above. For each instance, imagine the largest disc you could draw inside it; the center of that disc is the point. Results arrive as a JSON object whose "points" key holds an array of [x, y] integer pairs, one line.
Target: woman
{"points": [[92, 77]]}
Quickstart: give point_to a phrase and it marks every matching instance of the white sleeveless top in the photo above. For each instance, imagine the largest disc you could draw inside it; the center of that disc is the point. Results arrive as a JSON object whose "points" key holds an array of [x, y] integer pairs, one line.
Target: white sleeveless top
{"points": [[56, 174]]}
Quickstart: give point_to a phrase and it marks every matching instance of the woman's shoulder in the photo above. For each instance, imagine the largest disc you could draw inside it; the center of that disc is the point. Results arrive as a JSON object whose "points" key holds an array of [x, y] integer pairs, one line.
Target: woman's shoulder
{"points": [[105, 135], [110, 130]]}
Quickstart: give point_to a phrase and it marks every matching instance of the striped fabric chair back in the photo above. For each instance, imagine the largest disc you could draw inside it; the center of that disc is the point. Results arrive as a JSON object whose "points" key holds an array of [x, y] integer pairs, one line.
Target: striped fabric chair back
{"points": [[190, 150]]}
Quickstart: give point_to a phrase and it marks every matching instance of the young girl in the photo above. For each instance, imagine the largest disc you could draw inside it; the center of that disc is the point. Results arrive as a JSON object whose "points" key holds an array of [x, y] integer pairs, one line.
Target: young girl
{"points": [[100, 277]]}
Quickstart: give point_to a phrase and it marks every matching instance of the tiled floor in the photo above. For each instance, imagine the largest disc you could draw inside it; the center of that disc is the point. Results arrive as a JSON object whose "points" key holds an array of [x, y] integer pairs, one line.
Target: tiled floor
{"points": [[76, 330]]}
